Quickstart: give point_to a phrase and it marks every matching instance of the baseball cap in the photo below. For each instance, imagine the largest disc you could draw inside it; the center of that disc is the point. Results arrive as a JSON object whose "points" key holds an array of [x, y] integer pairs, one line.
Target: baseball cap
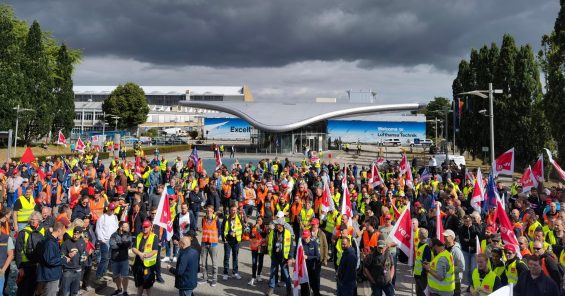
{"points": [[139, 185], [15, 171], [315, 221], [306, 233], [280, 214], [111, 206], [449, 232], [496, 237], [381, 244], [146, 224], [78, 229], [418, 204], [25, 180]]}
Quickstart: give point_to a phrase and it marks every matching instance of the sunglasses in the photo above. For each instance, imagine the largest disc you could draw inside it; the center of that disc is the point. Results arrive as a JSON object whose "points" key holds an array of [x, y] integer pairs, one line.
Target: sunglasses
{"points": [[537, 249]]}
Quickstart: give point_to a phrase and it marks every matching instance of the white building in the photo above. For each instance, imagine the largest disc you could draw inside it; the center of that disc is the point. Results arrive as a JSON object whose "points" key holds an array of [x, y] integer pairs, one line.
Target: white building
{"points": [[165, 110]]}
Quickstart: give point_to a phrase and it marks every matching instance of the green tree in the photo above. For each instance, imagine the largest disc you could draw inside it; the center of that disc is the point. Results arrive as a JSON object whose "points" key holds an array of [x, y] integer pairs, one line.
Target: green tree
{"points": [[64, 110], [11, 75], [127, 101], [39, 87], [435, 110], [552, 58]]}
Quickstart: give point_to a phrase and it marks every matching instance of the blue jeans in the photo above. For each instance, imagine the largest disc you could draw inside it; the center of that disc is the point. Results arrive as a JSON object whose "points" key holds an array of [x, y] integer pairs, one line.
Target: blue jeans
{"points": [[185, 292], [275, 264], [234, 249], [388, 289], [103, 263], [470, 265], [168, 249]]}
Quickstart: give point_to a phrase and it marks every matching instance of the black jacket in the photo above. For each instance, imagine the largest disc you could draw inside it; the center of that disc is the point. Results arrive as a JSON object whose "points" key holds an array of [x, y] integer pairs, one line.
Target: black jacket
{"points": [[120, 245], [347, 272], [467, 238], [541, 286], [186, 270]]}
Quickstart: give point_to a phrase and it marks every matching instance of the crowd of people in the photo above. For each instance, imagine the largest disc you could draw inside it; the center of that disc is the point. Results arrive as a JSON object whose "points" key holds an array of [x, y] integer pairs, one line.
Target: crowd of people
{"points": [[69, 223]]}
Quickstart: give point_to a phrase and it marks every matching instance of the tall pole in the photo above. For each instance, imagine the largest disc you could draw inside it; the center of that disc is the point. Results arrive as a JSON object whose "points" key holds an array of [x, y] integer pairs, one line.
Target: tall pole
{"points": [[454, 118], [491, 116], [436, 129], [116, 127], [446, 135], [16, 136], [103, 122]]}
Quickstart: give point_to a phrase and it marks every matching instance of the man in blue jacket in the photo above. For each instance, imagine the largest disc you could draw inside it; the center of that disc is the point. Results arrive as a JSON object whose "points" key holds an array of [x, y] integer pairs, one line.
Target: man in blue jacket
{"points": [[347, 270], [50, 268], [186, 270]]}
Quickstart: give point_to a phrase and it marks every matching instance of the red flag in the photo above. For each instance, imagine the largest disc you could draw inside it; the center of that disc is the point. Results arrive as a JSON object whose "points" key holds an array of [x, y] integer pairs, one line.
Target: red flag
{"points": [[327, 200], [403, 165], [478, 192], [138, 166], [346, 198], [61, 139], [439, 224], [314, 157], [40, 173], [506, 229], [537, 170], [28, 156], [402, 234], [163, 217], [380, 161], [504, 164], [556, 166], [409, 180], [80, 145], [528, 181], [375, 176], [300, 273], [218, 158]]}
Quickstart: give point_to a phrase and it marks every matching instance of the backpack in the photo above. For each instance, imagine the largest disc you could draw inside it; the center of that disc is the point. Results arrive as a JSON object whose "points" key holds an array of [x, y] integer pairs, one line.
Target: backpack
{"points": [[33, 247], [378, 268]]}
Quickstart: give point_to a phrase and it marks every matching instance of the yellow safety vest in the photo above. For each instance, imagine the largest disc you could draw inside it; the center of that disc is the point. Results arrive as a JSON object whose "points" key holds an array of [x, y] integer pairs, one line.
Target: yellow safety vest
{"points": [[418, 263], [237, 228], [287, 241], [532, 229], [285, 210], [512, 272], [339, 250], [550, 237], [546, 246], [562, 258], [163, 165], [448, 283], [330, 221], [486, 286], [27, 231], [27, 208], [305, 216], [148, 248]]}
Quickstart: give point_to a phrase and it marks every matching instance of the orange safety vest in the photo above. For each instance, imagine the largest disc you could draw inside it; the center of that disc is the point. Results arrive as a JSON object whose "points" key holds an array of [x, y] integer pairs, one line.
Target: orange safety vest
{"points": [[295, 210], [519, 226], [59, 193], [209, 230], [97, 208], [370, 242], [249, 196], [261, 195], [349, 231], [74, 195], [257, 240], [202, 182]]}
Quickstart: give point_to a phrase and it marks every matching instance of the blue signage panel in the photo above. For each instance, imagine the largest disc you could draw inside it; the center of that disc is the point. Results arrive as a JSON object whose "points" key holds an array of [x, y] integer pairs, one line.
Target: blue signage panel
{"points": [[375, 131], [227, 128]]}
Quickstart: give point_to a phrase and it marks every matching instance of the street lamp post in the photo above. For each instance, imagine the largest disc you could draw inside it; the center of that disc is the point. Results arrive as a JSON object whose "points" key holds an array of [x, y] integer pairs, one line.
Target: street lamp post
{"points": [[481, 93], [18, 110], [435, 121], [446, 111]]}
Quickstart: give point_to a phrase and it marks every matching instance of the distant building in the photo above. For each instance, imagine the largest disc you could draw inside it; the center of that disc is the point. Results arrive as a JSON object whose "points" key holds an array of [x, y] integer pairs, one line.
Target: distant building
{"points": [[361, 96], [165, 110]]}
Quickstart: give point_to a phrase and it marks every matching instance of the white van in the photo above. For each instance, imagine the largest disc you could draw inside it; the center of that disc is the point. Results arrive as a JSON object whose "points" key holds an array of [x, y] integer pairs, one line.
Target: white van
{"points": [[391, 142]]}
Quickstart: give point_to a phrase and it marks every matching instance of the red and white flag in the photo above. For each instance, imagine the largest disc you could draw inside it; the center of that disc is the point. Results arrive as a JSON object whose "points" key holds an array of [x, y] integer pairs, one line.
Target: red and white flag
{"points": [[346, 208], [327, 200], [556, 166], [314, 157], [380, 161], [402, 234], [376, 179], [528, 181], [408, 178], [506, 228], [218, 158], [138, 166], [478, 192], [504, 164], [163, 217], [61, 139], [80, 145], [439, 224], [300, 273], [403, 166], [537, 170]]}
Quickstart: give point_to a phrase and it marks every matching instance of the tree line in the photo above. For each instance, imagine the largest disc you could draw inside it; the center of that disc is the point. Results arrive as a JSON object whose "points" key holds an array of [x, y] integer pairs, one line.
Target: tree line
{"points": [[524, 117], [35, 73]]}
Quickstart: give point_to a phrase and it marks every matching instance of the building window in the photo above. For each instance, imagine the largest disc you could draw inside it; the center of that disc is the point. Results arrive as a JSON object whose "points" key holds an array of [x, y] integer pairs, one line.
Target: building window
{"points": [[99, 116], [78, 115], [206, 98], [88, 116]]}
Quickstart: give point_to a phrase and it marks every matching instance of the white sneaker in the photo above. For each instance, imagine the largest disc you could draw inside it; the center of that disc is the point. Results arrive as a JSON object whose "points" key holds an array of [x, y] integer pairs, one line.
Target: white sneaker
{"points": [[166, 259], [237, 276], [225, 277], [259, 278], [174, 259], [251, 282]]}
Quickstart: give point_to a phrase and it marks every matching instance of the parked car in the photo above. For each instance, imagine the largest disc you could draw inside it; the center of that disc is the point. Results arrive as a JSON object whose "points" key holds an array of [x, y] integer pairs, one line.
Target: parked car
{"points": [[390, 142], [176, 141], [422, 142], [129, 140], [159, 141]]}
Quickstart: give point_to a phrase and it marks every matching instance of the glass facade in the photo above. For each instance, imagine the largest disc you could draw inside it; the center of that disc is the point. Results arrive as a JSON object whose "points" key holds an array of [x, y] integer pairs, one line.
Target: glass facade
{"points": [[312, 137]]}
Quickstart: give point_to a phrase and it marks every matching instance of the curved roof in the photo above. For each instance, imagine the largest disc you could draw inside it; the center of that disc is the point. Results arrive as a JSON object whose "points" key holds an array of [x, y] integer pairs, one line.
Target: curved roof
{"points": [[282, 117]]}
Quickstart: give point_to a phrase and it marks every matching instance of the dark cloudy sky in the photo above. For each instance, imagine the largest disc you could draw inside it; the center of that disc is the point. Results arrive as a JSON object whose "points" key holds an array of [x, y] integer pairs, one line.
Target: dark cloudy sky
{"points": [[406, 50]]}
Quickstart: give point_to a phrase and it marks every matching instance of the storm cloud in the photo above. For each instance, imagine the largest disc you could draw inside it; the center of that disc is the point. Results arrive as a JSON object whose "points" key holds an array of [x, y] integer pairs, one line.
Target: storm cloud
{"points": [[260, 33]]}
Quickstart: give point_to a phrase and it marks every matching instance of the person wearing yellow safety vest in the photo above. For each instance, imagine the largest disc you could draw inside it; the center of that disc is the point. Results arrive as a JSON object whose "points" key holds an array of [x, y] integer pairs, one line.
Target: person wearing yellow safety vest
{"points": [[232, 230], [27, 240], [145, 249], [458, 260], [496, 264], [441, 276], [484, 280], [514, 266], [533, 225], [306, 214], [341, 229], [281, 250], [539, 237], [423, 254], [23, 207], [163, 164]]}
